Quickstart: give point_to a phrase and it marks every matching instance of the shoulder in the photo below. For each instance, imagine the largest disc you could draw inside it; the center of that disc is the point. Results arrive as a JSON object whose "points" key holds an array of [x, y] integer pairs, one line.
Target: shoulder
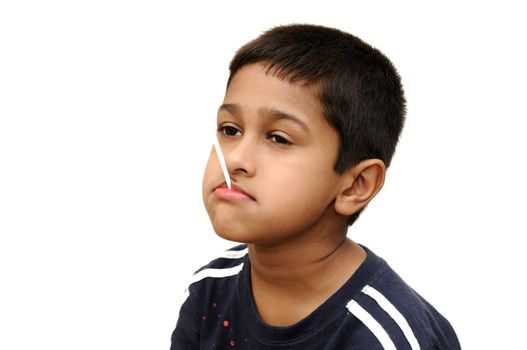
{"points": [[393, 311], [217, 278], [226, 265]]}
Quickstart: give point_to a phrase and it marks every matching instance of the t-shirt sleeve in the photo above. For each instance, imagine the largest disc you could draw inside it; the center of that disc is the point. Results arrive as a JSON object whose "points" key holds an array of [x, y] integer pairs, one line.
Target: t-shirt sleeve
{"points": [[186, 334]]}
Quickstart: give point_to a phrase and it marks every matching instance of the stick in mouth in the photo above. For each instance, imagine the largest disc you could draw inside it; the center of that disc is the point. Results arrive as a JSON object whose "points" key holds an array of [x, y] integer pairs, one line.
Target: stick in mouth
{"points": [[222, 162]]}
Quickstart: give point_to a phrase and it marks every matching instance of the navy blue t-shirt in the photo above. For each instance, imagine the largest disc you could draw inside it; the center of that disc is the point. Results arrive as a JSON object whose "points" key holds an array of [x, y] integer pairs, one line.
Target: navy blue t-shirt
{"points": [[374, 309]]}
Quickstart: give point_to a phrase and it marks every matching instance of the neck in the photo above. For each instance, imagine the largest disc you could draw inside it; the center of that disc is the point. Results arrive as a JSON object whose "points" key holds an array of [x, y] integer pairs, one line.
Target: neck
{"points": [[300, 266], [289, 282]]}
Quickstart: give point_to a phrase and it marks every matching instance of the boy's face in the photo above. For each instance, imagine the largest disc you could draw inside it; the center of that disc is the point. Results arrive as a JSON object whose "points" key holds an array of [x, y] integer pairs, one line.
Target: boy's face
{"points": [[280, 153]]}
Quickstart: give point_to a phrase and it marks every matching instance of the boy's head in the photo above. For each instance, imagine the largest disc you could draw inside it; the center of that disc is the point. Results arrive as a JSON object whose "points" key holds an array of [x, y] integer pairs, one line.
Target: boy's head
{"points": [[352, 88], [359, 89]]}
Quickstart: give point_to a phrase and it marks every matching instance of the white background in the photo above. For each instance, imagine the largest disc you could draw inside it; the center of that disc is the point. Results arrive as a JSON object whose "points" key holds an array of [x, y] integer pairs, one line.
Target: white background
{"points": [[106, 113]]}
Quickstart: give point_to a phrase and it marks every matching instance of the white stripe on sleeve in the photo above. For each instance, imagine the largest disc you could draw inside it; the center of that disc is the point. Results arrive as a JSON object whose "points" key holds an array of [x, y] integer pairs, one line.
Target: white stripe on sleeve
{"points": [[372, 324], [216, 273], [235, 254], [394, 314]]}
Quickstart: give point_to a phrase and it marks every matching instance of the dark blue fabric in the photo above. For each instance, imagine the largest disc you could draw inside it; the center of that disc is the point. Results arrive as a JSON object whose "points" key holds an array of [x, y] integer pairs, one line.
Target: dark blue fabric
{"points": [[220, 313]]}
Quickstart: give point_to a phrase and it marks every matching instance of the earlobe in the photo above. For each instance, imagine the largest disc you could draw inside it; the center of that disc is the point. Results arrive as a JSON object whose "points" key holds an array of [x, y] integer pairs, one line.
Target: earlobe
{"points": [[360, 184]]}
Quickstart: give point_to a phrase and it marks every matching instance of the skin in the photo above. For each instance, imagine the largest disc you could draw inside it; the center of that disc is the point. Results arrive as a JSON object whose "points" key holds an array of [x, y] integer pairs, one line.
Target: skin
{"points": [[287, 203]]}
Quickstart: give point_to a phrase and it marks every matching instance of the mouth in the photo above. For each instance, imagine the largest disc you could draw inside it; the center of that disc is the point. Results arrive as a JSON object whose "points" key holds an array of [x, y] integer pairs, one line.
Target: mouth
{"points": [[235, 193]]}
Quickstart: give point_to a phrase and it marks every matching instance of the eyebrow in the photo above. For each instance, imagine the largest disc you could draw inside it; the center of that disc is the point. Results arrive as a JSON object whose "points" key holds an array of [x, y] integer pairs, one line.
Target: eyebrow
{"points": [[271, 113]]}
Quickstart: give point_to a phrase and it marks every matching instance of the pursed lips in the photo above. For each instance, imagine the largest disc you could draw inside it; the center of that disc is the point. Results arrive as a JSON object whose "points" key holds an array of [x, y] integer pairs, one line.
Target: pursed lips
{"points": [[235, 192]]}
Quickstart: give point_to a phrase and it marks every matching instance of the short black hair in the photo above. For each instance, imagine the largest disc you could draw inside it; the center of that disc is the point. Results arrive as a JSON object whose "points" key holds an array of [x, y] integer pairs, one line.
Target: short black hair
{"points": [[360, 91]]}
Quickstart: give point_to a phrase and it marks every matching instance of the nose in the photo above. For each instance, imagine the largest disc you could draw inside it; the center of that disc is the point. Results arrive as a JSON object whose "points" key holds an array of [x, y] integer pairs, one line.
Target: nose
{"points": [[240, 156]]}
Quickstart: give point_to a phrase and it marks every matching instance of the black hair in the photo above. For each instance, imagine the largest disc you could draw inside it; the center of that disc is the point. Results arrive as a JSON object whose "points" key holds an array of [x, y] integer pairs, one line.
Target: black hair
{"points": [[360, 90]]}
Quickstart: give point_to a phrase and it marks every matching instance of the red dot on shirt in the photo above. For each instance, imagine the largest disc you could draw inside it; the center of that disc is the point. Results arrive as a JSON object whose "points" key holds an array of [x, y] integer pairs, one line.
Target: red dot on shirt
{"points": [[225, 323]]}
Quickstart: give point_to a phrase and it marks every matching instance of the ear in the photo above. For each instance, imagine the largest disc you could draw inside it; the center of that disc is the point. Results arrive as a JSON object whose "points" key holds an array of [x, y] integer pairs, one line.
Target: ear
{"points": [[360, 184]]}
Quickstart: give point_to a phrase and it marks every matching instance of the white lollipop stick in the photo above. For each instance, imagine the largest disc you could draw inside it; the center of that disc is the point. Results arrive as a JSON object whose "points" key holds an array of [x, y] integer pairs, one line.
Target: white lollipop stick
{"points": [[222, 162]]}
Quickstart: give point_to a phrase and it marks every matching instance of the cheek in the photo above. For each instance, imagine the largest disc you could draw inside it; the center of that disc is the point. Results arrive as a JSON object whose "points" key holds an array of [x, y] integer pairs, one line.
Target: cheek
{"points": [[208, 174], [305, 193]]}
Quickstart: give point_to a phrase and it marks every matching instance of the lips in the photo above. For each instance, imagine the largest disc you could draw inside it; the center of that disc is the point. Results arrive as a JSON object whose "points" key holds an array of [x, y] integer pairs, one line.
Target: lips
{"points": [[235, 193]]}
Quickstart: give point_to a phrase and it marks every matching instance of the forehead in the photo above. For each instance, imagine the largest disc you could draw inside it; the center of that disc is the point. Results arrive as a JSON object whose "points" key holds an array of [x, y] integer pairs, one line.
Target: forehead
{"points": [[255, 87]]}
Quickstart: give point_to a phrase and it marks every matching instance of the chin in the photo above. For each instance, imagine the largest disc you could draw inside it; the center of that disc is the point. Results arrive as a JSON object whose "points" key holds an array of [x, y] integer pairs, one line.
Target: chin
{"points": [[226, 230], [232, 236]]}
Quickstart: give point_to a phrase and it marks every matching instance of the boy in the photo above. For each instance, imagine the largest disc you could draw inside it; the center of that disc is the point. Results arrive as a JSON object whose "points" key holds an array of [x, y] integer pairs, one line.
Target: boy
{"points": [[309, 123]]}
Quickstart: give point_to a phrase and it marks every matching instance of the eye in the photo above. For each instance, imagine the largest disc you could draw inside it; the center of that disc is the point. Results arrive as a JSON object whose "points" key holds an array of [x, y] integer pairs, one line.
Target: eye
{"points": [[229, 130], [279, 139]]}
